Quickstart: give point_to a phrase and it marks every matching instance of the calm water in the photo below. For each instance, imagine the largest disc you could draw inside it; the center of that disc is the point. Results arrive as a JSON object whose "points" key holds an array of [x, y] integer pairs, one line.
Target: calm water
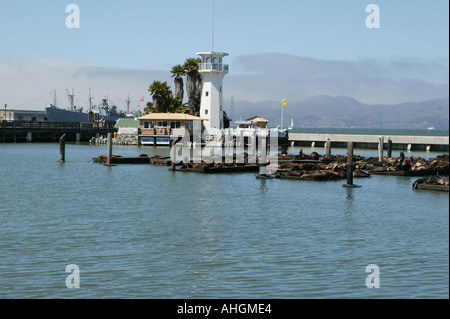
{"points": [[145, 232]]}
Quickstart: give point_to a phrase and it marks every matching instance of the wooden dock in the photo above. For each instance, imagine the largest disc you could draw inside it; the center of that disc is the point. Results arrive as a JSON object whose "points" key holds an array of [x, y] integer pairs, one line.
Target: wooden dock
{"points": [[435, 183], [214, 169], [103, 159], [49, 131]]}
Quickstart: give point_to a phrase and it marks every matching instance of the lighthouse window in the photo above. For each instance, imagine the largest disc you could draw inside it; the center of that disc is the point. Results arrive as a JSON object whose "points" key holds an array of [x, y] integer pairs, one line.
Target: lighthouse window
{"points": [[206, 112], [207, 93]]}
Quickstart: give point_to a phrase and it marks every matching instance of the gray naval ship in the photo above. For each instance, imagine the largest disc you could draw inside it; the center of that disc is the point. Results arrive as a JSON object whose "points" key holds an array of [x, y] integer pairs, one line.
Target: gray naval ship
{"points": [[103, 112]]}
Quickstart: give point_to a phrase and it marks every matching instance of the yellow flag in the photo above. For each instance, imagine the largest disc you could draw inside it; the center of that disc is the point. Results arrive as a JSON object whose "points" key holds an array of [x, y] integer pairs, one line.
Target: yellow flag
{"points": [[284, 102]]}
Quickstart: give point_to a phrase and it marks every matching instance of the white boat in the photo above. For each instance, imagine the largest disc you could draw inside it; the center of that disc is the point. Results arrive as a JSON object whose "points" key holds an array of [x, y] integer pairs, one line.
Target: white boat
{"points": [[292, 125]]}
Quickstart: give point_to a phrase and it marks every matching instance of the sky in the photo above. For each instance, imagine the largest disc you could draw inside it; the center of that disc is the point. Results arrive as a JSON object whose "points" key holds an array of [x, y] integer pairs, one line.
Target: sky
{"points": [[293, 49]]}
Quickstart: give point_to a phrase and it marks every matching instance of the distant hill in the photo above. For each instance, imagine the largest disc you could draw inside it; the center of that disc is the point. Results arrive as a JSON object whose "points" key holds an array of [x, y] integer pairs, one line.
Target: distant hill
{"points": [[346, 112]]}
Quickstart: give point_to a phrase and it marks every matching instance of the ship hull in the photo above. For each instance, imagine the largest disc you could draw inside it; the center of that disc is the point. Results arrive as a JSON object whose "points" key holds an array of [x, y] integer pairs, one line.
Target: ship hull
{"points": [[59, 115]]}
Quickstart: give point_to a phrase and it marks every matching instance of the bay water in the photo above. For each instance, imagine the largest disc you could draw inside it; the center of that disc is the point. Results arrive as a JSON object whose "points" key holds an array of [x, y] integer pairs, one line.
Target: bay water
{"points": [[142, 231]]}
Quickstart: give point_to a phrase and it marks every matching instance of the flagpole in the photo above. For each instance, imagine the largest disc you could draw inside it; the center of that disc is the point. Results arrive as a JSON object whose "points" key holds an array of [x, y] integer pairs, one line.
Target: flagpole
{"points": [[283, 104]]}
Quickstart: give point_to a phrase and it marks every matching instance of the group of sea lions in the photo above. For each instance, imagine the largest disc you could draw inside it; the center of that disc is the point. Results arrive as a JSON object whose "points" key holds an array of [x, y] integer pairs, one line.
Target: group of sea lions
{"points": [[335, 167], [432, 182]]}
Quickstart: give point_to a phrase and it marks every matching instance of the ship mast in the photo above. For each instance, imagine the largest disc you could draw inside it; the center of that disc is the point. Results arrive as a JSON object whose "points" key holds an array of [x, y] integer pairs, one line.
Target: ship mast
{"points": [[71, 99], [90, 101], [128, 104]]}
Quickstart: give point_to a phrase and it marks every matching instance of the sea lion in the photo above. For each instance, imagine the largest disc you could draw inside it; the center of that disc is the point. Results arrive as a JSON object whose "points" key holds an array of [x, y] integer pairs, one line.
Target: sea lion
{"points": [[336, 175], [360, 173], [295, 173], [314, 156], [319, 175]]}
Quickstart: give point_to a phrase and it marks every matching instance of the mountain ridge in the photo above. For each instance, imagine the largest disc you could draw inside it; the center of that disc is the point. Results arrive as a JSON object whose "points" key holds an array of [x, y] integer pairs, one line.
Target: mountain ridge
{"points": [[347, 112]]}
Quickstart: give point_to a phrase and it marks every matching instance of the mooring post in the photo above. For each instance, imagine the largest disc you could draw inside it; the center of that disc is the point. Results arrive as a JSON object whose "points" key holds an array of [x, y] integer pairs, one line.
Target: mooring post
{"points": [[252, 152], [263, 159], [173, 152], [109, 149], [389, 151], [328, 148], [350, 163], [62, 148], [380, 149]]}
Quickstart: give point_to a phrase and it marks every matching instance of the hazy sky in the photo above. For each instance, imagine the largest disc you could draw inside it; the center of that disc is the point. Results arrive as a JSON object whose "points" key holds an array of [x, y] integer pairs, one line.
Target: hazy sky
{"points": [[290, 49]]}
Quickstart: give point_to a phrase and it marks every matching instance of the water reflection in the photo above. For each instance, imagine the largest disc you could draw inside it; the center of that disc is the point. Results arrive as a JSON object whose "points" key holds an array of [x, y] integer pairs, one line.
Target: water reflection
{"points": [[350, 198]]}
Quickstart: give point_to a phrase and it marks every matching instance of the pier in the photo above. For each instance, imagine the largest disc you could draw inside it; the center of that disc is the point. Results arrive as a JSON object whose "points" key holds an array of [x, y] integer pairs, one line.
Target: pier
{"points": [[49, 131], [399, 142]]}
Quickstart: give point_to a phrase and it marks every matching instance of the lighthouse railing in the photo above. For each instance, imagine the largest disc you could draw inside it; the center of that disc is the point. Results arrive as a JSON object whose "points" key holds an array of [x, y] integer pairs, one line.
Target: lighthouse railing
{"points": [[213, 67]]}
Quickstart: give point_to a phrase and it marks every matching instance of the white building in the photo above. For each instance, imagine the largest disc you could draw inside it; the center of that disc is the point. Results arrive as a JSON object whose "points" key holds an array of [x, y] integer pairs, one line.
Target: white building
{"points": [[212, 71]]}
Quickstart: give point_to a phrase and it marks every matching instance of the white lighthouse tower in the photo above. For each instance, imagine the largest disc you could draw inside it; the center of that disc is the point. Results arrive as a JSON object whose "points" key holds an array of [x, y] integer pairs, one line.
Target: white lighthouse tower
{"points": [[212, 71]]}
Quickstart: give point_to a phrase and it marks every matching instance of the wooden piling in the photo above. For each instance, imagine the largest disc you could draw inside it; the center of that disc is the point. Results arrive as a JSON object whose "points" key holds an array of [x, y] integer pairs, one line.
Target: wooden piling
{"points": [[263, 159], [173, 152], [109, 149], [389, 151], [62, 148], [350, 163], [328, 148], [381, 149], [350, 166]]}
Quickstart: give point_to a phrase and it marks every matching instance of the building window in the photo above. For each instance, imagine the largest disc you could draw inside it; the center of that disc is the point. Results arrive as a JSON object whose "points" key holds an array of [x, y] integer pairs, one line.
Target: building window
{"points": [[149, 124], [206, 112], [207, 93], [161, 124], [175, 125]]}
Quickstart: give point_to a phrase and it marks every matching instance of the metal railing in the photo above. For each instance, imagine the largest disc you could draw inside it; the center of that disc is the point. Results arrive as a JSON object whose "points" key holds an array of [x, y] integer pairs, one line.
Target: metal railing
{"points": [[50, 125], [213, 67]]}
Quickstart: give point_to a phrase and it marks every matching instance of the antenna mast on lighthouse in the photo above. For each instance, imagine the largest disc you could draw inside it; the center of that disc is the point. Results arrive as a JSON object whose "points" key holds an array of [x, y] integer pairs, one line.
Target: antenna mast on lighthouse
{"points": [[213, 9]]}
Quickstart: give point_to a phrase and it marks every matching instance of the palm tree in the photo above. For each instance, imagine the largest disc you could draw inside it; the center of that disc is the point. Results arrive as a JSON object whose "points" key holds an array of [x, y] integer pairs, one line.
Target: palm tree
{"points": [[177, 72], [158, 90], [193, 84], [163, 99]]}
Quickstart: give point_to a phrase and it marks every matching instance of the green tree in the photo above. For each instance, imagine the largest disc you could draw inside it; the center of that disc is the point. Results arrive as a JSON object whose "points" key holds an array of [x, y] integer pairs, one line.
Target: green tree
{"points": [[163, 99]]}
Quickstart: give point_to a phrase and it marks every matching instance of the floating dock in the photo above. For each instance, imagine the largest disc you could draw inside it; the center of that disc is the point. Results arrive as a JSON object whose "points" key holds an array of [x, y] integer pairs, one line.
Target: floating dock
{"points": [[224, 168], [117, 159], [434, 183]]}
